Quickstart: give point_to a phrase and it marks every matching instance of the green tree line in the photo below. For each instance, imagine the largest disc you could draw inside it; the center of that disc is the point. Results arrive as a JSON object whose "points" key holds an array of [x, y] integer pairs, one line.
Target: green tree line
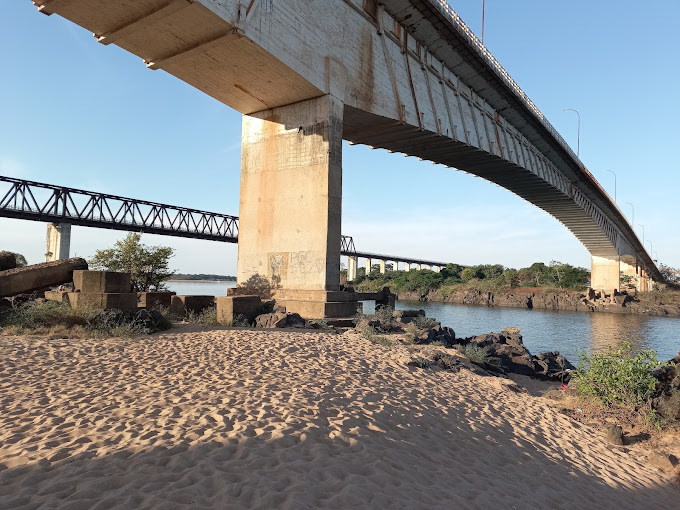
{"points": [[484, 276]]}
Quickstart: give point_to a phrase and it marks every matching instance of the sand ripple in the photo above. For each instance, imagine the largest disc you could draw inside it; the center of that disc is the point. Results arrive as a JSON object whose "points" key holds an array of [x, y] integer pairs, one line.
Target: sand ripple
{"points": [[246, 419]]}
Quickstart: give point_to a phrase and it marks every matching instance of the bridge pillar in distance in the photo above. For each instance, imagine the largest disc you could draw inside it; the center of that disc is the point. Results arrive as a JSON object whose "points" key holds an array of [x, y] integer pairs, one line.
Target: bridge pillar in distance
{"points": [[368, 267], [605, 273], [436, 269], [417, 267], [58, 243], [382, 267], [351, 268], [290, 206], [408, 266]]}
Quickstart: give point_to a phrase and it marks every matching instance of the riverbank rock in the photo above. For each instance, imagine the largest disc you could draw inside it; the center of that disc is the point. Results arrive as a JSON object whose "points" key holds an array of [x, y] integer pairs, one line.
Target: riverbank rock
{"points": [[648, 303], [553, 366], [280, 319]]}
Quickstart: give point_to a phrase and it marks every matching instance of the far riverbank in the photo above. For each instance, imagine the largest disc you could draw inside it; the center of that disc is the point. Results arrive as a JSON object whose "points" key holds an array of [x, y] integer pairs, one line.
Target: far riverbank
{"points": [[657, 303]]}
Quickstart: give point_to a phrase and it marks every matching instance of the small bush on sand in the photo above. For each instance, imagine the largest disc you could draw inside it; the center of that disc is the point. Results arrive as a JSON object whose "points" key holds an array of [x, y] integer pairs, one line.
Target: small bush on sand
{"points": [[207, 317], [411, 333], [476, 354], [59, 320], [372, 336], [618, 377], [425, 322]]}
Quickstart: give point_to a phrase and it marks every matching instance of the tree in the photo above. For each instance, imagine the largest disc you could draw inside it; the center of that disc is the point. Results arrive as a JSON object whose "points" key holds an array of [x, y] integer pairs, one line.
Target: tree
{"points": [[147, 264], [670, 275]]}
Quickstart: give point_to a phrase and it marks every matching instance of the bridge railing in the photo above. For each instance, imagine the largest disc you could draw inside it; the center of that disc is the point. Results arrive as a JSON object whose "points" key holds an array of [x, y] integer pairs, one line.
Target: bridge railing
{"points": [[45, 202], [474, 41]]}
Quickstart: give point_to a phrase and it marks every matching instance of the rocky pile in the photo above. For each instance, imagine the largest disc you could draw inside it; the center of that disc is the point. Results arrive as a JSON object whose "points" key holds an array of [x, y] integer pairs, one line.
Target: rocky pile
{"points": [[666, 399]]}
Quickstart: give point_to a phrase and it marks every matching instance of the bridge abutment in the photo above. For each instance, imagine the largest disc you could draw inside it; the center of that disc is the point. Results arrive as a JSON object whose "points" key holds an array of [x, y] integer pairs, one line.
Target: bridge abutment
{"points": [[290, 205], [58, 243]]}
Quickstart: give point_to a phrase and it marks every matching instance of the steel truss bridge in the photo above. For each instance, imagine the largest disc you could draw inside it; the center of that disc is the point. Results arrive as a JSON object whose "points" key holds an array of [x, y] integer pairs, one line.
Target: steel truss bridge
{"points": [[37, 201]]}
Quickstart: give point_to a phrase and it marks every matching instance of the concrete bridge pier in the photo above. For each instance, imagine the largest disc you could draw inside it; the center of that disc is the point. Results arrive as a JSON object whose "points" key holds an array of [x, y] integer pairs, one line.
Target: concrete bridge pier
{"points": [[368, 267], [351, 268], [290, 207], [382, 267], [58, 243], [608, 273], [408, 267]]}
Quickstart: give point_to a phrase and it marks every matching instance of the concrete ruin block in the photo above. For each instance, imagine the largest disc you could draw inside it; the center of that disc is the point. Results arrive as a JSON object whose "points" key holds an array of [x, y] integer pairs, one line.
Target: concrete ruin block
{"points": [[38, 276], [103, 300], [154, 300], [57, 295], [181, 305], [229, 307], [102, 282]]}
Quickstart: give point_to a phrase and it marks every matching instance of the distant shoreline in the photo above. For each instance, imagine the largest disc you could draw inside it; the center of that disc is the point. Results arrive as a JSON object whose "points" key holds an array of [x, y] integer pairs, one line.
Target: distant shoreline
{"points": [[203, 281]]}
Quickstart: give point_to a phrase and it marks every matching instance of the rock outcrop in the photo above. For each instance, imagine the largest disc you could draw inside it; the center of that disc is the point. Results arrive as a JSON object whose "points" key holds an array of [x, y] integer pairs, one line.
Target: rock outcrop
{"points": [[571, 300]]}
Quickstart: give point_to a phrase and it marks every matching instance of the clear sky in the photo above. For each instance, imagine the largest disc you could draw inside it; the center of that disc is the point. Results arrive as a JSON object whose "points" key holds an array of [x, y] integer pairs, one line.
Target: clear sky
{"points": [[80, 114]]}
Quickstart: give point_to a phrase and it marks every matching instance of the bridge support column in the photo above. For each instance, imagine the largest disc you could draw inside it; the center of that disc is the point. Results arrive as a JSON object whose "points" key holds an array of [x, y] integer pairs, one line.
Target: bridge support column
{"points": [[605, 273], [630, 278], [395, 266], [290, 206], [382, 267], [58, 243], [351, 268], [417, 267], [368, 267]]}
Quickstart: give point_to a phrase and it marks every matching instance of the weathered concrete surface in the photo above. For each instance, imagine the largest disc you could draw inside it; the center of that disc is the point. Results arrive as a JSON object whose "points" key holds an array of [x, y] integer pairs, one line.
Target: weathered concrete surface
{"points": [[58, 244], [103, 300], [39, 276], [230, 307], [181, 305], [59, 296], [102, 281], [154, 300], [291, 194]]}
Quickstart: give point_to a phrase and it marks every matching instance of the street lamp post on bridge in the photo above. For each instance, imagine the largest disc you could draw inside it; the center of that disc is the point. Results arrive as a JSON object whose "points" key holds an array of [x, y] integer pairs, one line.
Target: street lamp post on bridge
{"points": [[633, 217]]}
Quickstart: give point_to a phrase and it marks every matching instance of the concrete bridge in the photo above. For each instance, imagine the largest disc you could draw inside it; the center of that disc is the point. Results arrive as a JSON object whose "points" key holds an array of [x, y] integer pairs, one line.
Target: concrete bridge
{"points": [[405, 75]]}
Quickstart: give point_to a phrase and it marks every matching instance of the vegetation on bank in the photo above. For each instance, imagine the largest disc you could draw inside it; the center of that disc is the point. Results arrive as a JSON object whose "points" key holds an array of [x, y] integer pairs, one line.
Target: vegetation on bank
{"points": [[59, 320], [208, 277], [484, 277], [621, 382]]}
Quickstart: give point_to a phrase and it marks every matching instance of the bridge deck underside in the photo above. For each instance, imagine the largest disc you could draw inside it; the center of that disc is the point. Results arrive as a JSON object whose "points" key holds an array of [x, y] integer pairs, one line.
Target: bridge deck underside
{"points": [[364, 128], [208, 51]]}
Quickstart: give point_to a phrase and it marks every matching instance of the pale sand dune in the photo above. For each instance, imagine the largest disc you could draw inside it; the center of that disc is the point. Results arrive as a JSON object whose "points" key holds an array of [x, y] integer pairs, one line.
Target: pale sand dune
{"points": [[246, 419]]}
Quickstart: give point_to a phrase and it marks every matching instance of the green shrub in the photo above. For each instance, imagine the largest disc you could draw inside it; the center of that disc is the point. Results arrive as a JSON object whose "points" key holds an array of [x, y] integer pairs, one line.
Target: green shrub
{"points": [[207, 317], [618, 377], [424, 322], [52, 317], [476, 354], [372, 336]]}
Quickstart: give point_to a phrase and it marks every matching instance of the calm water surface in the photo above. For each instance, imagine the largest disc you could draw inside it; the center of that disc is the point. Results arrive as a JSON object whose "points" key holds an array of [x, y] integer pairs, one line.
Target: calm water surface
{"points": [[543, 330]]}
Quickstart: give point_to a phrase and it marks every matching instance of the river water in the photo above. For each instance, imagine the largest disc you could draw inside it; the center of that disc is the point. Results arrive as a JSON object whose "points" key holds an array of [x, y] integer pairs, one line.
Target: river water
{"points": [[542, 330]]}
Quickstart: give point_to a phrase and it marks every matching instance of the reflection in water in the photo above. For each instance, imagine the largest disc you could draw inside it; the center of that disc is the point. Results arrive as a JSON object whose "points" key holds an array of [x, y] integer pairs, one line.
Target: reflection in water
{"points": [[567, 332]]}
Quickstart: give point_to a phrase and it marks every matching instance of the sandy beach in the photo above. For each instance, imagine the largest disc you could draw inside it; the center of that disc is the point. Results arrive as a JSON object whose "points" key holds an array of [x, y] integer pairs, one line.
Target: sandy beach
{"points": [[213, 418]]}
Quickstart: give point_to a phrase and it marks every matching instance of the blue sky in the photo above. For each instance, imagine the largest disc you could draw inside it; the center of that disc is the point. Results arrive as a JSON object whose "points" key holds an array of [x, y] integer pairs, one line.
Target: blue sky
{"points": [[80, 114]]}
